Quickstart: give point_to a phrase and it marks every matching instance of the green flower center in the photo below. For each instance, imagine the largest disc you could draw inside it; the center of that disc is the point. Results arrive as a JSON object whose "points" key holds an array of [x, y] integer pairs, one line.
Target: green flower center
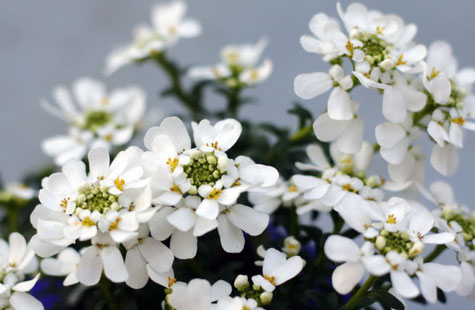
{"points": [[203, 169], [468, 228], [96, 119], [96, 198], [394, 241], [375, 47]]}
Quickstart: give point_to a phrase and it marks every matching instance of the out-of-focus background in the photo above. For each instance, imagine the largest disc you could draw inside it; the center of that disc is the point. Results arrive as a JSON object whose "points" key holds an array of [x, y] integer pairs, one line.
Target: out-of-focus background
{"points": [[50, 42]]}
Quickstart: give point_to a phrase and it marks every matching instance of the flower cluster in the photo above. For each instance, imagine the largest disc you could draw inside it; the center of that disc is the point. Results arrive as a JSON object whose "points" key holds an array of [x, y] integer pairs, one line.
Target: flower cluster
{"points": [[95, 118], [277, 269], [142, 198], [17, 261], [110, 211], [421, 89]]}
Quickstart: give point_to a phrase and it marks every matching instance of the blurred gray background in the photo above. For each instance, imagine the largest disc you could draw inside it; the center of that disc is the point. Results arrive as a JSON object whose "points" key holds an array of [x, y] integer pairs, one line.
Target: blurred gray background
{"points": [[44, 43]]}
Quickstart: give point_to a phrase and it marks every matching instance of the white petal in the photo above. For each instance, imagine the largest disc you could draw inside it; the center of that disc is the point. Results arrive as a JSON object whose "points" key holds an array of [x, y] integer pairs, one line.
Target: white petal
{"points": [[339, 105], [288, 270], [327, 129], [394, 108], [249, 220], [98, 162], [183, 219], [156, 254], [183, 244], [341, 249], [137, 269], [347, 276], [311, 85], [90, 267], [114, 266], [403, 284], [232, 238], [351, 139], [24, 301], [444, 159]]}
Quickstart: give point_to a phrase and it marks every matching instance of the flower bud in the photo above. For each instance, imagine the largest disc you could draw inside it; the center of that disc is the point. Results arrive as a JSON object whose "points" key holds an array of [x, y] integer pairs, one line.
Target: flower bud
{"points": [[416, 249], [241, 283], [266, 298], [380, 243], [291, 246], [387, 64]]}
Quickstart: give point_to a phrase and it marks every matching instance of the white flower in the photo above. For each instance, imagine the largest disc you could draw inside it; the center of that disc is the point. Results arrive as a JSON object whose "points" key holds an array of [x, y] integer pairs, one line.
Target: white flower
{"points": [[210, 181], [19, 191], [95, 118], [277, 269], [237, 303], [311, 85], [282, 193], [65, 264], [77, 206], [356, 261], [145, 257], [348, 134], [16, 261], [169, 24], [432, 276], [239, 65], [394, 139], [102, 255], [198, 293]]}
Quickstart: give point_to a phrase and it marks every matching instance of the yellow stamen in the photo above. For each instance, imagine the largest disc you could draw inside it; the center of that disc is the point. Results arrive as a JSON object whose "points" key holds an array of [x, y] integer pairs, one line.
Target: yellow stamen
{"points": [[115, 225], [177, 189], [214, 145], [347, 187], [459, 121], [105, 101], [400, 61], [391, 219], [119, 183], [171, 281], [271, 279], [292, 188], [349, 46], [214, 194], [379, 30], [87, 222], [254, 75], [173, 163], [434, 73]]}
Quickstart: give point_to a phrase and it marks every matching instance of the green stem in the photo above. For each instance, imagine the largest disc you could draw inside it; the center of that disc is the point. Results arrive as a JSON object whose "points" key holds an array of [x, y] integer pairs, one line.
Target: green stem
{"points": [[360, 293], [105, 287], [435, 253], [177, 85], [12, 214], [293, 222], [234, 102], [301, 134]]}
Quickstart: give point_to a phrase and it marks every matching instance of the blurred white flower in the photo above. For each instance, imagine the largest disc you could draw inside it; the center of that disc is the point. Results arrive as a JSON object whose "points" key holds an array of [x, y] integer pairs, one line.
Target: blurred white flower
{"points": [[95, 118], [239, 66], [198, 293], [16, 261], [169, 25]]}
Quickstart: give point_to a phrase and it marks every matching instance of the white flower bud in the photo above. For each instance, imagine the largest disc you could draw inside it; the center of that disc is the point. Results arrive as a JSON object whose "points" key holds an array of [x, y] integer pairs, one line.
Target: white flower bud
{"points": [[416, 249], [241, 283], [380, 242], [374, 181], [266, 298], [354, 33], [291, 246], [387, 64]]}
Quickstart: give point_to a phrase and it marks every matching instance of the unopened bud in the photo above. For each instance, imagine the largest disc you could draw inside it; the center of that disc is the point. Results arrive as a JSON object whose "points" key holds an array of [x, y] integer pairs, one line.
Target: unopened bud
{"points": [[380, 243], [241, 283], [266, 298], [416, 249], [291, 246], [387, 64]]}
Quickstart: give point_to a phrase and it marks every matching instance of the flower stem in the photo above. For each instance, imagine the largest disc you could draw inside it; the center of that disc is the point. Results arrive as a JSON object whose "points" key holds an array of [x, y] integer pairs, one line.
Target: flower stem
{"points": [[234, 102], [177, 86], [361, 291], [105, 287], [293, 222], [301, 134], [435, 253], [12, 214]]}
